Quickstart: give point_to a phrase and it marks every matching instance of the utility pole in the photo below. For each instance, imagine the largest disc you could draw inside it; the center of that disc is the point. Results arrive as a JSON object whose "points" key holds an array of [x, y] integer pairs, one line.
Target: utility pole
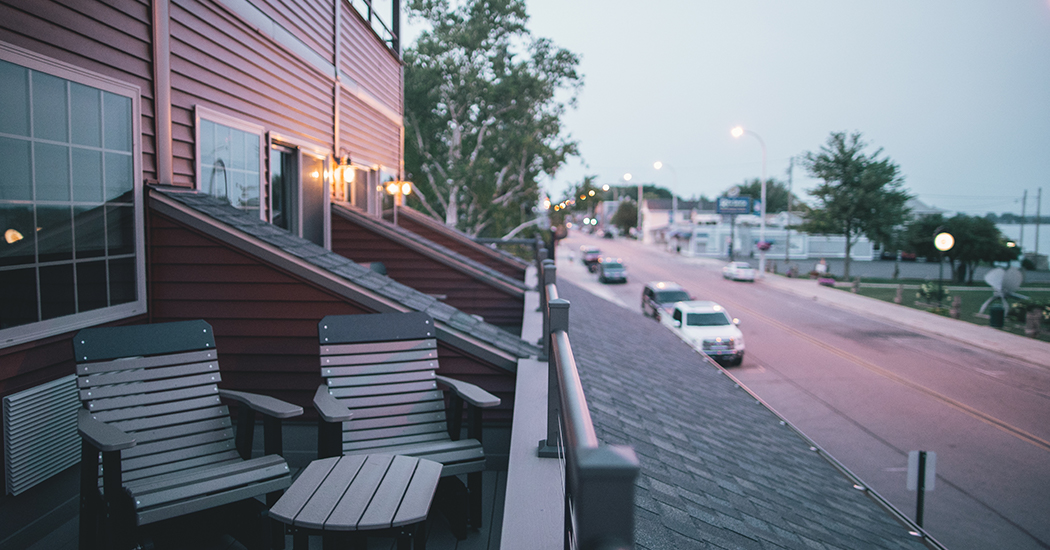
{"points": [[1024, 203], [1038, 214], [787, 223]]}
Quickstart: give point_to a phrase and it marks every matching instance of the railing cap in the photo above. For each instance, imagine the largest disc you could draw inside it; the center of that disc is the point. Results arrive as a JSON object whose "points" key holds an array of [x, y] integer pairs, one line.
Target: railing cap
{"points": [[559, 314]]}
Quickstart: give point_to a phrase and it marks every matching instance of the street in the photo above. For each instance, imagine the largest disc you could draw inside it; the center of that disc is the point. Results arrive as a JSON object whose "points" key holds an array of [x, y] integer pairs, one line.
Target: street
{"points": [[869, 392]]}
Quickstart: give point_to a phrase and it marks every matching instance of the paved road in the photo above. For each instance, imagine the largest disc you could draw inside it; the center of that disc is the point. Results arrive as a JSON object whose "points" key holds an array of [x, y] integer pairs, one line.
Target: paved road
{"points": [[869, 391]]}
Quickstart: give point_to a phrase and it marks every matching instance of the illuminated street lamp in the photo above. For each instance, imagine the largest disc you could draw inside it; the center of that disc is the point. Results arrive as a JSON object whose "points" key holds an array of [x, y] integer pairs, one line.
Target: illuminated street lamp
{"points": [[737, 132], [398, 189]]}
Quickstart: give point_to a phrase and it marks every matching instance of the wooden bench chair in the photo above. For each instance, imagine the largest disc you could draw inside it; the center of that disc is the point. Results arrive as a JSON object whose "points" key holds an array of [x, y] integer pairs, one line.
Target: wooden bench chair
{"points": [[381, 396], [152, 411]]}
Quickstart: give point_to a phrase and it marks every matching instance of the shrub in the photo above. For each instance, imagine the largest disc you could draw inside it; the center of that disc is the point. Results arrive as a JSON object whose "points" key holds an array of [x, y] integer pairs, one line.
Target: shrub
{"points": [[932, 292]]}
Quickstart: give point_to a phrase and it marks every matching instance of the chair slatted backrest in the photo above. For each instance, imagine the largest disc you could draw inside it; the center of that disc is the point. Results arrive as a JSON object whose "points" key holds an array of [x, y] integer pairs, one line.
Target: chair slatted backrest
{"points": [[381, 366], [157, 383]]}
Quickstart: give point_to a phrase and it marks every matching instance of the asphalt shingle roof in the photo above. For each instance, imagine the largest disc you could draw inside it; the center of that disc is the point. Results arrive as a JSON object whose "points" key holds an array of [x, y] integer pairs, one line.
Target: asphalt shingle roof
{"points": [[718, 469], [354, 273]]}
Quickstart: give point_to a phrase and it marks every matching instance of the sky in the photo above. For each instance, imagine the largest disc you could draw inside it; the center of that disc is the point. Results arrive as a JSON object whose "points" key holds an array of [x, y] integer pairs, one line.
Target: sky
{"points": [[957, 93]]}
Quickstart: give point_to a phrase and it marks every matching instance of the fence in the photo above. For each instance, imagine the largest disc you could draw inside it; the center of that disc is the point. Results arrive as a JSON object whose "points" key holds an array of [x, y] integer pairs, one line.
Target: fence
{"points": [[599, 479]]}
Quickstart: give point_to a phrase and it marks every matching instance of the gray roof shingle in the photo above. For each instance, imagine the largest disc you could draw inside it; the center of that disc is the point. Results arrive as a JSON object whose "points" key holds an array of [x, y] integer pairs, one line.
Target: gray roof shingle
{"points": [[357, 274], [718, 469]]}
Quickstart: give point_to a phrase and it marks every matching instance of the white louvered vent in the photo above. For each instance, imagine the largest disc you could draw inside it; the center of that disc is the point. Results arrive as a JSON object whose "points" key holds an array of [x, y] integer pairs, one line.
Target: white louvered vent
{"points": [[40, 433]]}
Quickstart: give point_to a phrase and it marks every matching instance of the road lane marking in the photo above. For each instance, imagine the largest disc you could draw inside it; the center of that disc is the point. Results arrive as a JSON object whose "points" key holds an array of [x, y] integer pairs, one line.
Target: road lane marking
{"points": [[984, 417]]}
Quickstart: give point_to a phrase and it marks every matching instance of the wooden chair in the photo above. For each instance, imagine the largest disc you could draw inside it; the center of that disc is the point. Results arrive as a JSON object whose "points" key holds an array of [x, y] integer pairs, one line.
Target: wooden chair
{"points": [[379, 370], [152, 410]]}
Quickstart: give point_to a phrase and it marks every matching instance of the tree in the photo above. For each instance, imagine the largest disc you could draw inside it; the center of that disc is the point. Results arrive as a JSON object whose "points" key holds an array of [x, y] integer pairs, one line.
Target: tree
{"points": [[977, 239], [626, 216], [860, 195], [776, 194], [482, 119]]}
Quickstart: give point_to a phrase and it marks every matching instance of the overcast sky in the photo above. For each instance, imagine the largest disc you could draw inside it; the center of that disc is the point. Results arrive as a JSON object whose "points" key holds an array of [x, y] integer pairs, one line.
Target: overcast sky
{"points": [[957, 93]]}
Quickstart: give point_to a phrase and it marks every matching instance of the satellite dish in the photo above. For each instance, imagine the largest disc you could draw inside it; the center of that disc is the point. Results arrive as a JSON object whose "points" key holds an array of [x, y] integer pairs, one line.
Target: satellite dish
{"points": [[1004, 283]]}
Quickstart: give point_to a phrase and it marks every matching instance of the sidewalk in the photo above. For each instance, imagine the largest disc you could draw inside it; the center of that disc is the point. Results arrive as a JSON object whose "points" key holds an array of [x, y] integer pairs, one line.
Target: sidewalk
{"points": [[1028, 350]]}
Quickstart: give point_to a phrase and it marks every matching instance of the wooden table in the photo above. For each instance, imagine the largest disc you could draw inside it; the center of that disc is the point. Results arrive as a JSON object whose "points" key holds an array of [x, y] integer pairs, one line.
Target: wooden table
{"points": [[351, 497]]}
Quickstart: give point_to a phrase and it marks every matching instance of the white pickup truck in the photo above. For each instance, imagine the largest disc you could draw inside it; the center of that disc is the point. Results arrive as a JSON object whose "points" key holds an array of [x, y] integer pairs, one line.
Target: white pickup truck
{"points": [[708, 327]]}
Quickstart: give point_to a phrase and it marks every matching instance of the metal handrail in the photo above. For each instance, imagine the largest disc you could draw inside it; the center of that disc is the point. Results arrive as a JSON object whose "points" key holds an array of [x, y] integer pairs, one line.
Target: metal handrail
{"points": [[599, 488]]}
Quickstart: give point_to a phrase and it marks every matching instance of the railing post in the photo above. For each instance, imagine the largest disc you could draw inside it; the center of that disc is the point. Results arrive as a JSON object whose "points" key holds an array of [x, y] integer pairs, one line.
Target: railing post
{"points": [[603, 497], [548, 276], [557, 319]]}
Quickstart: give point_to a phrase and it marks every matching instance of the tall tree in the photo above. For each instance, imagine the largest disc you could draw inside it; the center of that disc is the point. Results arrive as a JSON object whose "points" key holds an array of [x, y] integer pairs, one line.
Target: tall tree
{"points": [[860, 195], [977, 240], [482, 112]]}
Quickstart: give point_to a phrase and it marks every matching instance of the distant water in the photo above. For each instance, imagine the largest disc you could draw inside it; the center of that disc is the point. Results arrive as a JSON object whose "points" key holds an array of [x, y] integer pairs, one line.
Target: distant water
{"points": [[1013, 231]]}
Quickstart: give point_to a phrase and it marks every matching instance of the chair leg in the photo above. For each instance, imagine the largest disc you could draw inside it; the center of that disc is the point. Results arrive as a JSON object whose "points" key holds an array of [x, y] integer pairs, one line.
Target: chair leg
{"points": [[89, 497], [419, 539], [276, 527], [474, 482]]}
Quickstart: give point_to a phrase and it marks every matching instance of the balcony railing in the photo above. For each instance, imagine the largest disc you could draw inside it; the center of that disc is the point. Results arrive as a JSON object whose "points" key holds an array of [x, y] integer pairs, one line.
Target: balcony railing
{"points": [[599, 479]]}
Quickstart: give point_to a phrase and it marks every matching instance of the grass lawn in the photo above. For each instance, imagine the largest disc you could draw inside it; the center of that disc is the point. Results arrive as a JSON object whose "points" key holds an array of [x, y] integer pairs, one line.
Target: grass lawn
{"points": [[971, 303]]}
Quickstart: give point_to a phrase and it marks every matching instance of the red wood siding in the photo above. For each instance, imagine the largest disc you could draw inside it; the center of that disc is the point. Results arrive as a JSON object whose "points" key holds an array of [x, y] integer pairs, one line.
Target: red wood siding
{"points": [[113, 39], [456, 364], [220, 62], [265, 318], [411, 268], [474, 251], [368, 134], [368, 60], [312, 21]]}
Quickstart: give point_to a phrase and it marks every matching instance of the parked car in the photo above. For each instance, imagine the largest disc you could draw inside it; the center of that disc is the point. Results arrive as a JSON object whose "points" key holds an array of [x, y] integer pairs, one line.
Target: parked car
{"points": [[738, 271], [591, 255], [611, 270], [659, 296], [708, 327]]}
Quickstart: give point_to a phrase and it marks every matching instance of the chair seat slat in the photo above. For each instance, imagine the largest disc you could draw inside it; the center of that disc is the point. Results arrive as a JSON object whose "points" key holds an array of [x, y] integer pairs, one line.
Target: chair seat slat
{"points": [[176, 443], [212, 485], [177, 455], [397, 431], [378, 358], [176, 468], [139, 388], [350, 442], [158, 397], [383, 368], [145, 362], [397, 420], [141, 375], [381, 379], [145, 412], [180, 430], [421, 390]]}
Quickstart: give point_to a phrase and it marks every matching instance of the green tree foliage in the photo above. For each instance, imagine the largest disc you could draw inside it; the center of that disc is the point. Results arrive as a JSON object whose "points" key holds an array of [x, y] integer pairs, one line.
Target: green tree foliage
{"points": [[860, 195], [776, 194], [977, 239], [626, 216], [482, 120]]}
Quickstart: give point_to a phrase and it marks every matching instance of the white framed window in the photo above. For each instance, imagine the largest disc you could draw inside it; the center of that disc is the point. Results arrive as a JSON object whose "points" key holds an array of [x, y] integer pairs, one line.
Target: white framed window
{"points": [[230, 159], [72, 250]]}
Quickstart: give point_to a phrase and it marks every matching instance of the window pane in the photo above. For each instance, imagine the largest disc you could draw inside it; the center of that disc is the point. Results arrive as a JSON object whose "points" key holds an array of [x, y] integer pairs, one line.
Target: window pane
{"points": [[18, 297], [14, 170], [87, 175], [91, 286], [121, 281], [51, 168], [14, 99], [54, 232], [18, 245], [207, 146], [86, 115], [118, 175], [49, 107], [89, 231], [120, 229], [118, 122], [236, 157], [56, 291]]}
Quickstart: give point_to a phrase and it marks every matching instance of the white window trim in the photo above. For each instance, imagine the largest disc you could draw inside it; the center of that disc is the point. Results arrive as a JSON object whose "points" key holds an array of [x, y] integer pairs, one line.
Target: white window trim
{"points": [[42, 329], [202, 112]]}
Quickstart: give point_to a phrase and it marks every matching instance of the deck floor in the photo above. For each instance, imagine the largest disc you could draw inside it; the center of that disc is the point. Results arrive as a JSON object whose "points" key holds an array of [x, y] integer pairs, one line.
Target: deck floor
{"points": [[179, 536]]}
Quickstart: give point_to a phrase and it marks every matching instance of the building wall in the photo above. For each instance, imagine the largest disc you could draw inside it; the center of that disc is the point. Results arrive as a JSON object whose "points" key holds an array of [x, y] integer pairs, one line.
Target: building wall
{"points": [[459, 290], [265, 318], [472, 250]]}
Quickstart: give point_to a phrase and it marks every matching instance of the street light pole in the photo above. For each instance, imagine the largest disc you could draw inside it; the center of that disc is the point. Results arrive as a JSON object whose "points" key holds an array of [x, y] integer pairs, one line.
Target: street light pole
{"points": [[737, 132], [674, 196]]}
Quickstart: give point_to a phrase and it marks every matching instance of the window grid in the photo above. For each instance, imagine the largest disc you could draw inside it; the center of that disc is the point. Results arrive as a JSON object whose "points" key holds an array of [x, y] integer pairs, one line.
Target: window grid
{"points": [[103, 205]]}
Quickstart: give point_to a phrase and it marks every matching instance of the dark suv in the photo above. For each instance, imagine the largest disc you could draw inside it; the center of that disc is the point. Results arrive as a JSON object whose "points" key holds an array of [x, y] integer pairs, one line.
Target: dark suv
{"points": [[591, 255], [659, 296]]}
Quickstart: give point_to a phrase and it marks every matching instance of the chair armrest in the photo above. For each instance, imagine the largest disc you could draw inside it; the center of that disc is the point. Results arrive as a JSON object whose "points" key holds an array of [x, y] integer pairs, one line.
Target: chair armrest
{"points": [[330, 409], [469, 392], [264, 404], [104, 437]]}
